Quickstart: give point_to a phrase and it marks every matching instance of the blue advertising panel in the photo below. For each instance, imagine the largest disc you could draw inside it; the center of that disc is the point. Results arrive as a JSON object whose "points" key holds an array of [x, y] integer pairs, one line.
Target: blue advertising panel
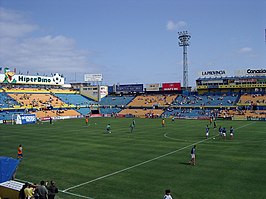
{"points": [[26, 119], [129, 88], [110, 89]]}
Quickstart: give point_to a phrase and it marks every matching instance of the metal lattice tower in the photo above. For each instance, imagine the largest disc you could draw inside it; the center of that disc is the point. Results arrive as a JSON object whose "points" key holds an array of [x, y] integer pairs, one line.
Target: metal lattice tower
{"points": [[184, 41]]}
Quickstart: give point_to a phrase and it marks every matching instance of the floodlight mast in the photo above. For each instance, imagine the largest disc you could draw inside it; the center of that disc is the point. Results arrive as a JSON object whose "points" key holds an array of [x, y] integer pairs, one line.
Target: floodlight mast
{"points": [[184, 42]]}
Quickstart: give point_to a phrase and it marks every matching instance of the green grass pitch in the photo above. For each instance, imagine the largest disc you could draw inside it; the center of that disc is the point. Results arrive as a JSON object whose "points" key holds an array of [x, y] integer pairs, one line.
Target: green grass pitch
{"points": [[86, 162]]}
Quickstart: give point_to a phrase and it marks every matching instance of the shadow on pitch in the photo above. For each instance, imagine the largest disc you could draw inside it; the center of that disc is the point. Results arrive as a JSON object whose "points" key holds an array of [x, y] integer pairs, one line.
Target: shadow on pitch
{"points": [[184, 163]]}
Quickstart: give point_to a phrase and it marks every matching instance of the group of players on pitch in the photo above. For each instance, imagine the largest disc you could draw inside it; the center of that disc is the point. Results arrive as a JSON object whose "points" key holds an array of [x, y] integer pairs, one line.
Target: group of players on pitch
{"points": [[222, 132], [132, 127], [222, 135]]}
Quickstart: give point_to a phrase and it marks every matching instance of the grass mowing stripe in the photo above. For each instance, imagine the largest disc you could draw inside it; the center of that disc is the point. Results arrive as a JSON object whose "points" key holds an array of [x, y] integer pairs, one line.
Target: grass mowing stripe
{"points": [[128, 168], [145, 162], [89, 154]]}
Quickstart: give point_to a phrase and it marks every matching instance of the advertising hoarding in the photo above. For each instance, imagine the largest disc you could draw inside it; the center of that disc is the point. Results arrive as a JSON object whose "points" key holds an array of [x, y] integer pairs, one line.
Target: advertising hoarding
{"points": [[93, 77], [152, 87], [128, 88], [213, 73], [171, 86], [212, 81], [110, 89], [10, 77], [103, 91], [251, 72], [56, 79], [26, 119]]}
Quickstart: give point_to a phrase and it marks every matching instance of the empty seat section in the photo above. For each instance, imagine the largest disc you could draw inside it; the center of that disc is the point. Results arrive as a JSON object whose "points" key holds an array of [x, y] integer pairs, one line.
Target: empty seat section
{"points": [[7, 101], [116, 100], [75, 99]]}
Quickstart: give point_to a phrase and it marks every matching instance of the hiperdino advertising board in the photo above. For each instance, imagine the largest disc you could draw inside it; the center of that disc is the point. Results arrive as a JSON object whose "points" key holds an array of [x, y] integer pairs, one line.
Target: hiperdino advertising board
{"points": [[10, 77]]}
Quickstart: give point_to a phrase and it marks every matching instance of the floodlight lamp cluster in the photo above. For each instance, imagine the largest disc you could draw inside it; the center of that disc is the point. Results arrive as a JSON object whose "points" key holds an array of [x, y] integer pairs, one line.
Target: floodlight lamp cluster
{"points": [[183, 38], [183, 33]]}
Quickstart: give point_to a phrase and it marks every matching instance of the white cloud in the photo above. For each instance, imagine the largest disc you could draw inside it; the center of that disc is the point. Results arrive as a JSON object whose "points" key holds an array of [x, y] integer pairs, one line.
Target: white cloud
{"points": [[245, 50], [46, 54], [14, 24], [180, 25]]}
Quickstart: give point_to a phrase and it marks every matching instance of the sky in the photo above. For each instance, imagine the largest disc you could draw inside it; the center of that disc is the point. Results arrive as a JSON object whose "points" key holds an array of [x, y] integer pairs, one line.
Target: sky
{"points": [[131, 41]]}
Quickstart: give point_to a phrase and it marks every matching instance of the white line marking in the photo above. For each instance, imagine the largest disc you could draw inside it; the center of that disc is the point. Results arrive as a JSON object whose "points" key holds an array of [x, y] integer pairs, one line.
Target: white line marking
{"points": [[165, 135], [136, 165], [73, 194]]}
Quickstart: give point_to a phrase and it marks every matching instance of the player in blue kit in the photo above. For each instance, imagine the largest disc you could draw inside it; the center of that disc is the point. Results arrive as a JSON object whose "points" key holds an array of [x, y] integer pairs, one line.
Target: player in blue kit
{"points": [[193, 156], [207, 132], [231, 133]]}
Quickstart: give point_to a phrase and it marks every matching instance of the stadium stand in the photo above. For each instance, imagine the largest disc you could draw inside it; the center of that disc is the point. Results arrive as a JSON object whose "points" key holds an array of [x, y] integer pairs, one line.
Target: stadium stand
{"points": [[205, 100], [242, 114], [7, 101], [37, 90], [75, 99], [147, 113], [7, 115], [116, 100], [188, 113], [33, 100], [105, 110], [223, 97], [84, 111], [252, 99], [55, 113], [159, 100]]}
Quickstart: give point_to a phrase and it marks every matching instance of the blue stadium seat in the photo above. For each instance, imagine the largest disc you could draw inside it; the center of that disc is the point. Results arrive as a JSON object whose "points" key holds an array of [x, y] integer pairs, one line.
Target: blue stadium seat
{"points": [[75, 99], [116, 100], [6, 101]]}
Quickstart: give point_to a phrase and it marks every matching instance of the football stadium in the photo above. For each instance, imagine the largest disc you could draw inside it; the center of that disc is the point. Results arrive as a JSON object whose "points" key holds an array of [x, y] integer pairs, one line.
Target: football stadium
{"points": [[134, 141]]}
